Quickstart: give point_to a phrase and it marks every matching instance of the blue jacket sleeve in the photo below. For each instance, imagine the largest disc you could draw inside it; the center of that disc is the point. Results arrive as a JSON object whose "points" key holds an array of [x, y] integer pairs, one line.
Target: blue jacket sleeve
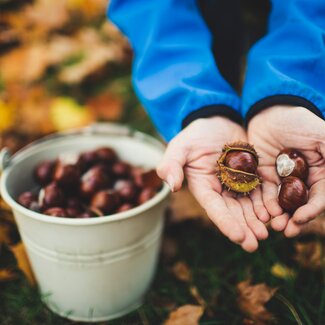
{"points": [[288, 65], [174, 72]]}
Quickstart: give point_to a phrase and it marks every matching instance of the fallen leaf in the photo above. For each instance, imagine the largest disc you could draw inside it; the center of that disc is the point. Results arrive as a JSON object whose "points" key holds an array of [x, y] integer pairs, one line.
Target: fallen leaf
{"points": [[197, 296], [309, 255], [282, 271], [181, 271], [7, 116], [23, 262], [185, 315], [7, 275], [66, 113], [252, 299], [106, 107]]}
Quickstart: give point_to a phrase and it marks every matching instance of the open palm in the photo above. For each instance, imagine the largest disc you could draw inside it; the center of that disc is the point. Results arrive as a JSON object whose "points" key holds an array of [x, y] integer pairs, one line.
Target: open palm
{"points": [[290, 127], [194, 152]]}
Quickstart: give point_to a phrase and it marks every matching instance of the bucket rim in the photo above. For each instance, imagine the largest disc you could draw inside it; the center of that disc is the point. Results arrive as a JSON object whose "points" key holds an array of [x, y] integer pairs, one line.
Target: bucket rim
{"points": [[15, 206]]}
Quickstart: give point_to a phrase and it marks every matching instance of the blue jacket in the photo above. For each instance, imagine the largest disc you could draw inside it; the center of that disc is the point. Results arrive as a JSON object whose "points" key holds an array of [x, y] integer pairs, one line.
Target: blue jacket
{"points": [[175, 75]]}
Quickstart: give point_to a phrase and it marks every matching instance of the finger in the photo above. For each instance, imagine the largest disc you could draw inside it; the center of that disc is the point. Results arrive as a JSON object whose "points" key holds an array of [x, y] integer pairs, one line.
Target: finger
{"points": [[217, 210], [280, 222], [292, 229], [256, 226], [270, 199], [315, 205], [258, 205], [250, 243], [170, 169]]}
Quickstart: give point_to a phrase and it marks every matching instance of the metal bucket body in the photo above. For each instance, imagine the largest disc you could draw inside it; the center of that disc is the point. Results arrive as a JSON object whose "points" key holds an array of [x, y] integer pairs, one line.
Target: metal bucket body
{"points": [[89, 269]]}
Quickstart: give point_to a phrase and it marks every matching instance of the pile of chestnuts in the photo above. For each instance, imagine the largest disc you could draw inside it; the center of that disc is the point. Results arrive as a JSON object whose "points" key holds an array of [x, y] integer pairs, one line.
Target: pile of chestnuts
{"points": [[292, 167], [92, 184]]}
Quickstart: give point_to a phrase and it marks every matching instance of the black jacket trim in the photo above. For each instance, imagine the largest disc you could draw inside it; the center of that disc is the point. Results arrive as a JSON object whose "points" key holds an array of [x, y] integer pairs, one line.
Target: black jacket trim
{"points": [[282, 100], [213, 110]]}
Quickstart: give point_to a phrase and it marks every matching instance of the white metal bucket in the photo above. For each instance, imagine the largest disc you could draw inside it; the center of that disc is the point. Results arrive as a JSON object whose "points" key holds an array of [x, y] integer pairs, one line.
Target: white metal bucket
{"points": [[89, 269]]}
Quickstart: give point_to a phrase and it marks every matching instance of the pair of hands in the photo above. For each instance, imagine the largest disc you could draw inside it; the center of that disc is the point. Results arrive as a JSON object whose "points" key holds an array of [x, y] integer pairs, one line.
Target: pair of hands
{"points": [[194, 151]]}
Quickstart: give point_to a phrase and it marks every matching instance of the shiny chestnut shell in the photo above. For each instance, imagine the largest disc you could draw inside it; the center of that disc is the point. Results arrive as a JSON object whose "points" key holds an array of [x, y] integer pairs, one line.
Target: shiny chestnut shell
{"points": [[241, 160], [26, 199], [67, 176], [43, 172], [106, 201], [51, 196], [293, 194], [56, 212], [291, 162]]}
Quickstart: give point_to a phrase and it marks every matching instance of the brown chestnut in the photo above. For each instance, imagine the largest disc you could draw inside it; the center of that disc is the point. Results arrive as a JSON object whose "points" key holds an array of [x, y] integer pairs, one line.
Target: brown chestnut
{"points": [[26, 199], [56, 212], [51, 196], [126, 189], [43, 172], [87, 160], [121, 169], [147, 178], [291, 162], [241, 160], [125, 207], [145, 195], [93, 180], [67, 176], [87, 215], [106, 155], [293, 194], [106, 201]]}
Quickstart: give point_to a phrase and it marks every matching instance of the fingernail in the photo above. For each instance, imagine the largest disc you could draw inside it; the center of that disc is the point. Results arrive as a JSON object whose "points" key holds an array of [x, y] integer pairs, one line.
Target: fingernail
{"points": [[170, 182]]}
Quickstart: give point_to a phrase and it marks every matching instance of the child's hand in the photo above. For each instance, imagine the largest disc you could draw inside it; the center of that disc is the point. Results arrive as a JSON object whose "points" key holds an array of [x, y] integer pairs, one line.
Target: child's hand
{"points": [[194, 152], [292, 127]]}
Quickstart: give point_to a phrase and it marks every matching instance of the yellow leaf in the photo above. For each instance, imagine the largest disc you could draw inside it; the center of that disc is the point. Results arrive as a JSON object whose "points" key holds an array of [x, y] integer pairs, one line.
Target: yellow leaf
{"points": [[185, 315], [67, 113], [7, 275], [23, 262], [282, 271], [7, 116]]}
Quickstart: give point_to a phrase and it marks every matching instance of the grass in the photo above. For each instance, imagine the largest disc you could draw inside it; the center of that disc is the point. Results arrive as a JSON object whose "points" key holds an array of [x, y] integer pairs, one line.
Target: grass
{"points": [[217, 266]]}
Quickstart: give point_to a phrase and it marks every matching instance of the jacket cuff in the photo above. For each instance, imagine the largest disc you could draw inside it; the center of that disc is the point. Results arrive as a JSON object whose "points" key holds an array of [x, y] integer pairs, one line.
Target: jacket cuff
{"points": [[281, 100], [213, 110]]}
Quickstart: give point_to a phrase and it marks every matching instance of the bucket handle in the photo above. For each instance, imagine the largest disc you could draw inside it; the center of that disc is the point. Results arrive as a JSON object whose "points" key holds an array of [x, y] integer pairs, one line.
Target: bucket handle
{"points": [[5, 158]]}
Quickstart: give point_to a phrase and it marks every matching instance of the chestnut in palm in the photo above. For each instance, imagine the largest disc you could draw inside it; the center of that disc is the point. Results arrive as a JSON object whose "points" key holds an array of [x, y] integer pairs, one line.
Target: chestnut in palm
{"points": [[291, 162], [293, 194]]}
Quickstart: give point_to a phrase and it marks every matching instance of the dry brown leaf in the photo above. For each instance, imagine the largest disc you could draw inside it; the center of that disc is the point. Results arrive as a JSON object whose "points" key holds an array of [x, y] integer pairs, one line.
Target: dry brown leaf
{"points": [[7, 275], [184, 206], [309, 255], [23, 262], [181, 271], [185, 315], [24, 64], [252, 299], [197, 296], [106, 107]]}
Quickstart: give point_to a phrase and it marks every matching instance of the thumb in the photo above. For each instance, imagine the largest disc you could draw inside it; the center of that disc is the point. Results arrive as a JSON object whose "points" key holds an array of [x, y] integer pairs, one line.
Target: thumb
{"points": [[170, 169]]}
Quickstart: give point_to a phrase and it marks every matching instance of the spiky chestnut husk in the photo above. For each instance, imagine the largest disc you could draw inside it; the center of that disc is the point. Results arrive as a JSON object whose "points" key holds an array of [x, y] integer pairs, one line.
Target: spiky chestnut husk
{"points": [[238, 180]]}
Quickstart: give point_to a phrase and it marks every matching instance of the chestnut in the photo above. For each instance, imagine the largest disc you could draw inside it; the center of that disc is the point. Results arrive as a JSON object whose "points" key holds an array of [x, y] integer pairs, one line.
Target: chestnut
{"points": [[26, 199], [87, 160], [56, 212], [106, 155], [67, 176], [291, 162], [125, 207], [293, 194], [106, 201], [241, 160], [43, 172], [147, 178], [145, 195], [87, 215], [74, 202], [121, 169], [126, 189], [51, 196], [73, 212], [93, 180]]}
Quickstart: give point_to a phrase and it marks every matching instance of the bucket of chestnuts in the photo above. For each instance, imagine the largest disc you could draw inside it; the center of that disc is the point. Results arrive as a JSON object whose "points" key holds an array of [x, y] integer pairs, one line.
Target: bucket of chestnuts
{"points": [[89, 207]]}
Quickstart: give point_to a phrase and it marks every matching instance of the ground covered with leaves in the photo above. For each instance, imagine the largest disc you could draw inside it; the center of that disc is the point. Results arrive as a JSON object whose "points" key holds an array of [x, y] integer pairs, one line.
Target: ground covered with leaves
{"points": [[62, 65]]}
